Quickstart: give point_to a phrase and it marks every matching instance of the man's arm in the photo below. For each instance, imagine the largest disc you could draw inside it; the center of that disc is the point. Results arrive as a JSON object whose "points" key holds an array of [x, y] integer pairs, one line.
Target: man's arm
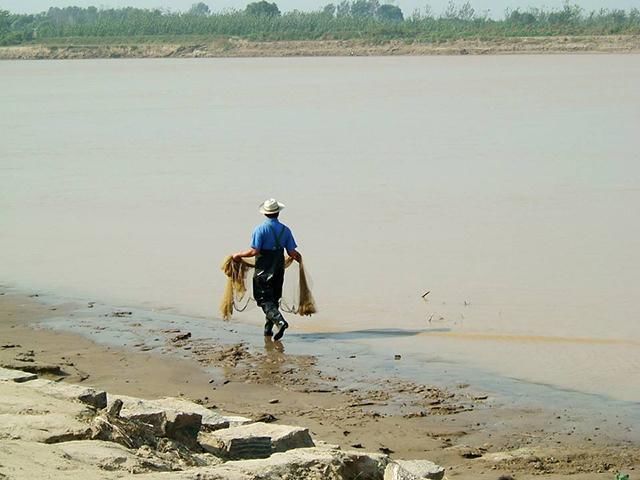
{"points": [[252, 252], [295, 255]]}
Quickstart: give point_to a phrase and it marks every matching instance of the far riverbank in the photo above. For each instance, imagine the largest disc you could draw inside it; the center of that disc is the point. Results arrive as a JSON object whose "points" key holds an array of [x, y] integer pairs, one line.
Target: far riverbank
{"points": [[83, 48]]}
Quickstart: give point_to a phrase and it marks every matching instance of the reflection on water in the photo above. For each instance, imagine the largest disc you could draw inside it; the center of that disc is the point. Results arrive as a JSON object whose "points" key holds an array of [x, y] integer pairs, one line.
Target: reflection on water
{"points": [[369, 333], [507, 186], [272, 346]]}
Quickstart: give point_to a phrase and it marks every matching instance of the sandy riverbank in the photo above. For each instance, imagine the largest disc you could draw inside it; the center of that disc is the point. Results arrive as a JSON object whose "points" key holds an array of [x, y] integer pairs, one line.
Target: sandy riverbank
{"points": [[407, 420], [229, 47]]}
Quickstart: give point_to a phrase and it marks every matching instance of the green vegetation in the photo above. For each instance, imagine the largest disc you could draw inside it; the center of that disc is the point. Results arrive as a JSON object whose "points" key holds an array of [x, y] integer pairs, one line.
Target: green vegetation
{"points": [[357, 19], [263, 8]]}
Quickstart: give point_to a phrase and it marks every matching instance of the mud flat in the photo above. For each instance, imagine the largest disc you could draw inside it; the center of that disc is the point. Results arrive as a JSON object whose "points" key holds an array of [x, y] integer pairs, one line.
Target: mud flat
{"points": [[230, 47], [141, 357]]}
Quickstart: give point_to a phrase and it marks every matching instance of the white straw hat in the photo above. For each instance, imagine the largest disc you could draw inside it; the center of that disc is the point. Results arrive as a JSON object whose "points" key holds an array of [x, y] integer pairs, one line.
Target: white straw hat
{"points": [[271, 206]]}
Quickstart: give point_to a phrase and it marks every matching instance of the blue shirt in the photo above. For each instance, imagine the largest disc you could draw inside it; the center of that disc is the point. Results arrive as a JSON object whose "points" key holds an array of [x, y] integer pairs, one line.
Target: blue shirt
{"points": [[264, 236]]}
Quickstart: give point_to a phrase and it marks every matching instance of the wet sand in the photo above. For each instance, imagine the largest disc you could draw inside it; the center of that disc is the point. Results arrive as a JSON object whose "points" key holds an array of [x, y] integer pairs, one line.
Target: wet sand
{"points": [[457, 426]]}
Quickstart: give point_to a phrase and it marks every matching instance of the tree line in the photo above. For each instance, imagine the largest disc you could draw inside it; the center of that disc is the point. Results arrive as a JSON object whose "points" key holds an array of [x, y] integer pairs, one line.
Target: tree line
{"points": [[348, 19]]}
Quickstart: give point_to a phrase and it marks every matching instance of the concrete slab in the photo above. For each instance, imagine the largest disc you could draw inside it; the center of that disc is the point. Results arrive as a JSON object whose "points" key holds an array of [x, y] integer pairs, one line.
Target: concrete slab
{"points": [[413, 470], [250, 438], [68, 391], [18, 376]]}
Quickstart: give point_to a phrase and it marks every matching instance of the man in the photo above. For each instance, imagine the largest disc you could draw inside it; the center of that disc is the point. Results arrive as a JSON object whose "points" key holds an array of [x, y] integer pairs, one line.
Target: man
{"points": [[268, 243]]}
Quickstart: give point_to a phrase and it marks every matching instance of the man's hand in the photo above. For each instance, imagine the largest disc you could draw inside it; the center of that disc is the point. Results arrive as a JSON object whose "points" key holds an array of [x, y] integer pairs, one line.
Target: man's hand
{"points": [[295, 255]]}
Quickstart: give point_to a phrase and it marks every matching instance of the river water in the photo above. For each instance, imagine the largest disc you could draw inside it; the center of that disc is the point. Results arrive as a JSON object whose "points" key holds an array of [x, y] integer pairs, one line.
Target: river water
{"points": [[506, 186]]}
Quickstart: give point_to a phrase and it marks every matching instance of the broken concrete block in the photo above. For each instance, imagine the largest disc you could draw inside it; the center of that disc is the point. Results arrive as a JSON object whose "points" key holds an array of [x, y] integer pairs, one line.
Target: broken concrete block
{"points": [[413, 470], [248, 441], [221, 472], [305, 463], [106, 455], [165, 421], [29, 414], [22, 460], [362, 465], [18, 376], [283, 437], [68, 391], [313, 463], [210, 419], [43, 428], [235, 446]]}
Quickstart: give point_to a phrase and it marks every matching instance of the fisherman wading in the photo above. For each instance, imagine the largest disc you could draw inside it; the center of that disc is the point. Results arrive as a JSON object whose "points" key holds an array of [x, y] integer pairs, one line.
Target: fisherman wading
{"points": [[268, 243]]}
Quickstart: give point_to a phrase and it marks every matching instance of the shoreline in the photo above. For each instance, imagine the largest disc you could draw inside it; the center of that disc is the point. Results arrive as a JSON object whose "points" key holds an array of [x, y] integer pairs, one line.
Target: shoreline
{"points": [[410, 419], [232, 47]]}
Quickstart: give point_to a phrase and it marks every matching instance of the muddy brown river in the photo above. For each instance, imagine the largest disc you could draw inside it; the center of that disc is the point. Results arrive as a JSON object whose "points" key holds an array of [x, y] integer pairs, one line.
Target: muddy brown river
{"points": [[506, 186]]}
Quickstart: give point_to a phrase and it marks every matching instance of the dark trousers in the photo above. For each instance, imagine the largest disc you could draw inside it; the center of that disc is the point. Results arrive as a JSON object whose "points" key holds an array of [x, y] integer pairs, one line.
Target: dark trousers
{"points": [[267, 286], [272, 316]]}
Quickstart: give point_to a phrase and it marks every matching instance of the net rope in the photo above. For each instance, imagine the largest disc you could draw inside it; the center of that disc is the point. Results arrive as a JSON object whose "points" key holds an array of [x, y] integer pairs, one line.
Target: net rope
{"points": [[235, 292]]}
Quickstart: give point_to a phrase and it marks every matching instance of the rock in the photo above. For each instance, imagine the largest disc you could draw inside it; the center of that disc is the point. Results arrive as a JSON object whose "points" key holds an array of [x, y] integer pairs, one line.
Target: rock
{"points": [[236, 447], [106, 455], [468, 452], [165, 421], [523, 454], [28, 414], [22, 460], [180, 337], [413, 470], [364, 465], [248, 441], [37, 367], [68, 391], [301, 463], [223, 472], [265, 418], [43, 428], [86, 460], [8, 375], [210, 419]]}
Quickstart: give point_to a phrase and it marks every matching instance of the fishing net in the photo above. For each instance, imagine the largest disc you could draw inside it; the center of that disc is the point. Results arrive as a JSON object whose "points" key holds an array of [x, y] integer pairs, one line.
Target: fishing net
{"points": [[235, 293]]}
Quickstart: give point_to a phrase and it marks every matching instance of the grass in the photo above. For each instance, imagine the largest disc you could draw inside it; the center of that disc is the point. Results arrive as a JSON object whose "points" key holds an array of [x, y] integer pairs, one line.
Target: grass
{"points": [[75, 25]]}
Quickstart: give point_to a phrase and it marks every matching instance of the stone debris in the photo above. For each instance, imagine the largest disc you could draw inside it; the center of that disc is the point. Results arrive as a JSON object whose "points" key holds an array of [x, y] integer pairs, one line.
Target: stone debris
{"points": [[164, 421], [413, 470], [106, 455], [304, 463], [29, 415], [37, 368], [236, 447], [465, 451], [181, 336], [210, 419], [8, 375], [256, 440], [67, 391], [47, 428]]}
